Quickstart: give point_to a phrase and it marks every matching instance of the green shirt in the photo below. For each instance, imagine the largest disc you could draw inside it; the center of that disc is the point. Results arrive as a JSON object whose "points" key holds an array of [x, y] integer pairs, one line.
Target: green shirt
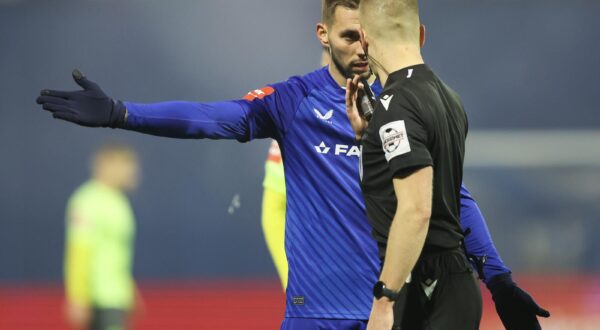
{"points": [[101, 222]]}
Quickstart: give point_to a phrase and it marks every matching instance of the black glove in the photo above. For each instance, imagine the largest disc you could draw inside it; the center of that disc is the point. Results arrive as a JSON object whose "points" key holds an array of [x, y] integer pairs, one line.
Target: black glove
{"points": [[88, 107], [516, 308]]}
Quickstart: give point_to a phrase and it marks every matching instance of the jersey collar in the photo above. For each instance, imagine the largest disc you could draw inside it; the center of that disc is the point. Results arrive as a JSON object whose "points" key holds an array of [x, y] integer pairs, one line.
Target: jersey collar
{"points": [[408, 73]]}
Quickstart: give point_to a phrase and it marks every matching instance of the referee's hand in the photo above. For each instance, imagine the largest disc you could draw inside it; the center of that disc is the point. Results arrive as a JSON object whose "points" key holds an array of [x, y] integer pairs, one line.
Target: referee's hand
{"points": [[515, 307], [358, 122]]}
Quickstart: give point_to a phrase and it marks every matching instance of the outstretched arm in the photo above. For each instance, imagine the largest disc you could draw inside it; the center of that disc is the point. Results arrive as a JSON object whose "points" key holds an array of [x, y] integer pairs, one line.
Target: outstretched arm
{"points": [[194, 120], [255, 116], [515, 307]]}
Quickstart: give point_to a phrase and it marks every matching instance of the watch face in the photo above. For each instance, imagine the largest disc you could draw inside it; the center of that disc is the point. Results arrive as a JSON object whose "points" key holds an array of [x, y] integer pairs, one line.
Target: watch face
{"points": [[378, 289]]}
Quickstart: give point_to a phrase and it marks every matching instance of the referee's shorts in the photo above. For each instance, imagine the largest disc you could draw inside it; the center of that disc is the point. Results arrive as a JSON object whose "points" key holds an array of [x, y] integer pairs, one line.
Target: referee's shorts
{"points": [[442, 294]]}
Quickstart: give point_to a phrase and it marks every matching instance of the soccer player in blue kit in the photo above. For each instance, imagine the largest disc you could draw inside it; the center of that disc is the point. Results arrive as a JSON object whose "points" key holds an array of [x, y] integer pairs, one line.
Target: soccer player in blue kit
{"points": [[333, 260]]}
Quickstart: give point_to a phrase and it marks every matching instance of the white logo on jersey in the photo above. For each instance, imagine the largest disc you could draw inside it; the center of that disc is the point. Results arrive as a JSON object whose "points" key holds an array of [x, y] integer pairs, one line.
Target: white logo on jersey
{"points": [[385, 100], [428, 289], [326, 117], [322, 148], [410, 71], [339, 150]]}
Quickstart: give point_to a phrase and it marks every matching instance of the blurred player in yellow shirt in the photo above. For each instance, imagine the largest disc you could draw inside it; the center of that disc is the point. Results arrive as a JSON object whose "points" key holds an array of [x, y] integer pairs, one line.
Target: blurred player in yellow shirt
{"points": [[273, 211], [100, 225]]}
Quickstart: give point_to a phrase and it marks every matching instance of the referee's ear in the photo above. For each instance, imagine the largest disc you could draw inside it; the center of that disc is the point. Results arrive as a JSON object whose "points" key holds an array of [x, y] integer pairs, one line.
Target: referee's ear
{"points": [[422, 35]]}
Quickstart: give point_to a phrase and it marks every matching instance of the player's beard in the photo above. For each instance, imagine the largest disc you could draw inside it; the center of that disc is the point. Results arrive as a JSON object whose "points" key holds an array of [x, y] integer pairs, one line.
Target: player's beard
{"points": [[346, 71]]}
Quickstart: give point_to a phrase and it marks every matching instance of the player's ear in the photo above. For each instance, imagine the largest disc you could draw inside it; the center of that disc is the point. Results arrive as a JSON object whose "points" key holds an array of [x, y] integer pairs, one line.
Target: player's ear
{"points": [[422, 35], [322, 35]]}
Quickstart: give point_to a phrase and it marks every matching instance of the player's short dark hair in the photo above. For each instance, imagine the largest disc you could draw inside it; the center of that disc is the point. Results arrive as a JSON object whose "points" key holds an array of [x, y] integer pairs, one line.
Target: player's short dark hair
{"points": [[329, 6]]}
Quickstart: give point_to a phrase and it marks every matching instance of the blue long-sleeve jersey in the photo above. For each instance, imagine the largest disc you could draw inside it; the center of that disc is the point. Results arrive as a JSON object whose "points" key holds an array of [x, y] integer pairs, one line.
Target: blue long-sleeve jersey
{"points": [[333, 261]]}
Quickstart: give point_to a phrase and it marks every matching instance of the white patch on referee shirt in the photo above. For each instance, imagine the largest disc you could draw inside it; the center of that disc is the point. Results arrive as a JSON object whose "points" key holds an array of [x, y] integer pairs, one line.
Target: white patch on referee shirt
{"points": [[394, 139]]}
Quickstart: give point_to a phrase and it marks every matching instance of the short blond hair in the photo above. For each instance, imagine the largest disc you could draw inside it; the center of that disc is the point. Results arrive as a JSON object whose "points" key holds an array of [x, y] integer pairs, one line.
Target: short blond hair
{"points": [[111, 150], [391, 19]]}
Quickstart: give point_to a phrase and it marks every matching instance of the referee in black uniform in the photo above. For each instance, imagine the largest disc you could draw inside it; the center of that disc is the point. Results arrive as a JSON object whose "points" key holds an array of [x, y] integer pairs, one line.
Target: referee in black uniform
{"points": [[412, 167]]}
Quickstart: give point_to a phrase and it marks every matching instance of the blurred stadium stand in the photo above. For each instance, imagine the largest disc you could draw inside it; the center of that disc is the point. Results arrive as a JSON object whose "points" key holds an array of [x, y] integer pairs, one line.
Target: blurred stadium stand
{"points": [[528, 73]]}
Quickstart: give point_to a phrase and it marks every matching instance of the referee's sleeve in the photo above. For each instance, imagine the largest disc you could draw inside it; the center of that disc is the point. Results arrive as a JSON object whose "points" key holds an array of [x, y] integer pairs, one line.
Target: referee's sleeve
{"points": [[404, 137]]}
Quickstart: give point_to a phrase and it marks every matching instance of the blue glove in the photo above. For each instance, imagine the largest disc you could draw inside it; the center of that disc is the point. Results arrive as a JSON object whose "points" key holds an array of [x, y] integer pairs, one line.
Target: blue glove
{"points": [[516, 308], [88, 107]]}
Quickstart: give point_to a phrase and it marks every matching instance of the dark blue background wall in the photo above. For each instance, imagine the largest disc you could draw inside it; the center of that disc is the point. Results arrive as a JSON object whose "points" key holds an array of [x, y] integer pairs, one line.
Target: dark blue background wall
{"points": [[517, 64]]}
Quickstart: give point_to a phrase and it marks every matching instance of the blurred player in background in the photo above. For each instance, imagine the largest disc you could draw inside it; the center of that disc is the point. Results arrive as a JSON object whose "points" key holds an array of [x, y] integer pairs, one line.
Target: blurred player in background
{"points": [[273, 205], [100, 224], [332, 258], [273, 211]]}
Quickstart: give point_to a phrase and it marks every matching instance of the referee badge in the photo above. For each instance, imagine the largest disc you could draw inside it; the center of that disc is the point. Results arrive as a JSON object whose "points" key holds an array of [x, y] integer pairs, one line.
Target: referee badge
{"points": [[394, 139]]}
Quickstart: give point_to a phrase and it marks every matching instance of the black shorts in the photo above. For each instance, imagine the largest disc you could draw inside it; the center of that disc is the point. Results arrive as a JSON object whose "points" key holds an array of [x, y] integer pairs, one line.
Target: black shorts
{"points": [[443, 294], [108, 319]]}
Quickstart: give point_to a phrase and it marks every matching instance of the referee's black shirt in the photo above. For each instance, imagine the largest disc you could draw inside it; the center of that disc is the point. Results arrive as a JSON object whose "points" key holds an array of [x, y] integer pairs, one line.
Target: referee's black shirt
{"points": [[418, 122]]}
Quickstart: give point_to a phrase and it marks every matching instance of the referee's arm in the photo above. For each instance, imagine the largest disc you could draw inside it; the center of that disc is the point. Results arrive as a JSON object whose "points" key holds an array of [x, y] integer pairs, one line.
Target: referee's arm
{"points": [[406, 239], [409, 227]]}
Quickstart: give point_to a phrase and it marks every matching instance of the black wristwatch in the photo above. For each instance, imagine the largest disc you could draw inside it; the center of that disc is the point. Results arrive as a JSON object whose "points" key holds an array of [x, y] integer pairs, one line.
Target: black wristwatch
{"points": [[379, 290]]}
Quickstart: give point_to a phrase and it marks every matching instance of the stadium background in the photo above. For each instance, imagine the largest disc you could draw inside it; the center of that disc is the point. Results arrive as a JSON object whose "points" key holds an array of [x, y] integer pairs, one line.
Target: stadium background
{"points": [[528, 73]]}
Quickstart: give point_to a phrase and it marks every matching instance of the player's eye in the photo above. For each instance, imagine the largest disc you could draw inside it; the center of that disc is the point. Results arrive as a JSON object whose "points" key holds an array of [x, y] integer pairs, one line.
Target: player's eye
{"points": [[351, 36]]}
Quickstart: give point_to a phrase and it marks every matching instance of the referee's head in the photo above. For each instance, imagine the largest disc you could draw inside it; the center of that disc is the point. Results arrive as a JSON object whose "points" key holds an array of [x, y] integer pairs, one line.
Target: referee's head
{"points": [[390, 27]]}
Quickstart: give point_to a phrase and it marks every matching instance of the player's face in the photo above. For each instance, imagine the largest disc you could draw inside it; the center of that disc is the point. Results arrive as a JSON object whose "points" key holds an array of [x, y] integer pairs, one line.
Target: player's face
{"points": [[346, 51], [130, 174], [125, 171]]}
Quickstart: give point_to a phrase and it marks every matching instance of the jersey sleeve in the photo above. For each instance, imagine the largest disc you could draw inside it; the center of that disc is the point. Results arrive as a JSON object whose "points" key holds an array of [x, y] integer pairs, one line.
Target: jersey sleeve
{"points": [[78, 254], [262, 113], [403, 136], [479, 246]]}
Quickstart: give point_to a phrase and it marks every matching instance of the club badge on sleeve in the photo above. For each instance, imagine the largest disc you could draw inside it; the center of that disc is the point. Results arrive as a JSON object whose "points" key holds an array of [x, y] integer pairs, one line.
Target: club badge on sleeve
{"points": [[394, 139]]}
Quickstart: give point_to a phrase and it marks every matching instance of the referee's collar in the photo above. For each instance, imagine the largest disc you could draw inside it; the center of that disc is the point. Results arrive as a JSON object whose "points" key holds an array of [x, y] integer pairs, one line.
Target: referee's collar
{"points": [[407, 73]]}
